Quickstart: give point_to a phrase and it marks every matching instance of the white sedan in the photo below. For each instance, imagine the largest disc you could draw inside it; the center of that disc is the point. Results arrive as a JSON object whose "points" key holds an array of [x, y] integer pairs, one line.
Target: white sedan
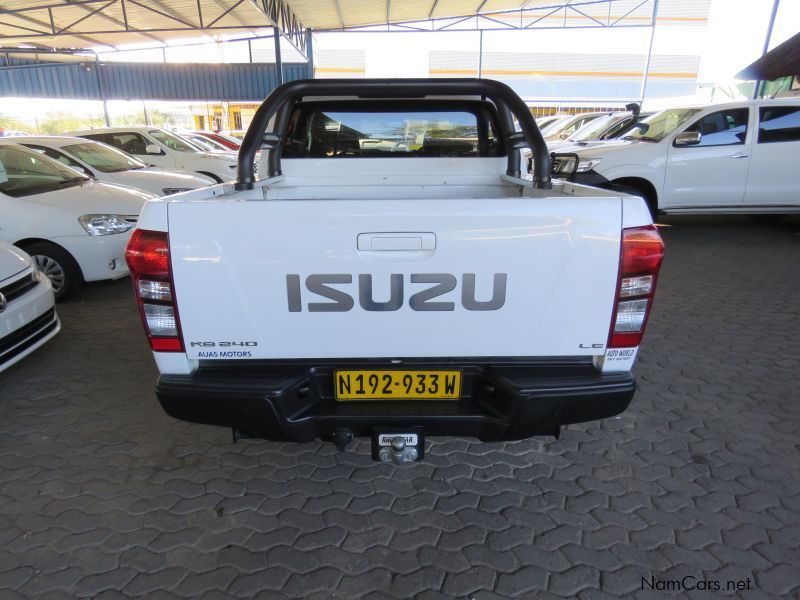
{"points": [[75, 228], [164, 149], [110, 165], [28, 316]]}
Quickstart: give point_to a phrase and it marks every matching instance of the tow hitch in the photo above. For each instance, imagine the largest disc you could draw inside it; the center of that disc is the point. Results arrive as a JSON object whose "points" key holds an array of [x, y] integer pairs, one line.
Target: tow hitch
{"points": [[398, 447]]}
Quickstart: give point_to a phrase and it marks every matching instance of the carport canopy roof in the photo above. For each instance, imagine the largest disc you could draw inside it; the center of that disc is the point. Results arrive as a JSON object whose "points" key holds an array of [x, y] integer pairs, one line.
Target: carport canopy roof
{"points": [[113, 23]]}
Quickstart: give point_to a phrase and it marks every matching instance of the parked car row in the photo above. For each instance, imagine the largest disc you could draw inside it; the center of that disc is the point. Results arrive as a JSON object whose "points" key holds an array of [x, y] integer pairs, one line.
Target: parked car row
{"points": [[68, 206], [72, 201]]}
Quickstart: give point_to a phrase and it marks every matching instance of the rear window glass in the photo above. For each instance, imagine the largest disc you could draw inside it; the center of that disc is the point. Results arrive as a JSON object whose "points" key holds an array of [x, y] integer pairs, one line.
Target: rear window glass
{"points": [[320, 132]]}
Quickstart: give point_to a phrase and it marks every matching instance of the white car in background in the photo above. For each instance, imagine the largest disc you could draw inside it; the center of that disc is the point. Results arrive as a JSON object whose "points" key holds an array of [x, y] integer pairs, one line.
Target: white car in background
{"points": [[164, 149], [27, 308], [739, 157], [205, 143], [561, 129], [75, 228], [110, 165]]}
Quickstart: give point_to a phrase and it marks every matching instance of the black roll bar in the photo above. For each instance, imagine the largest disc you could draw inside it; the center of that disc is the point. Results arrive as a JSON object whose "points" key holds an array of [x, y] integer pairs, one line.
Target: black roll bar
{"points": [[507, 101]]}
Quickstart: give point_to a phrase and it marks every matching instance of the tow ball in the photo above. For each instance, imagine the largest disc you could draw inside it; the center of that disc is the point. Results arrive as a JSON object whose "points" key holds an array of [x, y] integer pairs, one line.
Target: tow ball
{"points": [[400, 448]]}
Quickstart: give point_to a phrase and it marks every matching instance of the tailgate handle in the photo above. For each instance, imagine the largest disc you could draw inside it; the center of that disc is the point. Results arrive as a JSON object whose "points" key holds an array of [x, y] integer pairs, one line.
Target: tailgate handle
{"points": [[394, 241]]}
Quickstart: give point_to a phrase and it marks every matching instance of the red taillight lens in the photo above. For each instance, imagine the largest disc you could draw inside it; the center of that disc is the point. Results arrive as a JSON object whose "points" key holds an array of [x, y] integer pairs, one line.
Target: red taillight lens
{"points": [[148, 259], [642, 251], [148, 253]]}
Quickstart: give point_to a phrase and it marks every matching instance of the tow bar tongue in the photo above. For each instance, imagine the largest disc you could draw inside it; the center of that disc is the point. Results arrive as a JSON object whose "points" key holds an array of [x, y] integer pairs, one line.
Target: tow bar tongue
{"points": [[399, 447]]}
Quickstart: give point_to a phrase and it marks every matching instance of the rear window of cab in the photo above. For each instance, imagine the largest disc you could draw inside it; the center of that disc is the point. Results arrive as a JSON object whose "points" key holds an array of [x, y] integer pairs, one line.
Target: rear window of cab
{"points": [[356, 130]]}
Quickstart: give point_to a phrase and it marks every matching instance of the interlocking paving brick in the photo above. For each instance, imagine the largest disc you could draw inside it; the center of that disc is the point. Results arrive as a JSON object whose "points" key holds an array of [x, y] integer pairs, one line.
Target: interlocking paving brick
{"points": [[103, 495]]}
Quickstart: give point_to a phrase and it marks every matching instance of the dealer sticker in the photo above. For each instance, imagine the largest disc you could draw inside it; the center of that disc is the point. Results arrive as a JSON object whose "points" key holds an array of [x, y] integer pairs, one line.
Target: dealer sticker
{"points": [[619, 359]]}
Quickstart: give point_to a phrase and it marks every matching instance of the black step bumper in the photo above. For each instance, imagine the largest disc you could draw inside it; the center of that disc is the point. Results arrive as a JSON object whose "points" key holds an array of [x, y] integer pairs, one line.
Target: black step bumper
{"points": [[500, 400]]}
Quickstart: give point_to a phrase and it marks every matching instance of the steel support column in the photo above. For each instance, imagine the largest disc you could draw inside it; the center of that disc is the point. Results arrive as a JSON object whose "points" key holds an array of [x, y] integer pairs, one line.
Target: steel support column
{"points": [[649, 51], [100, 90], [310, 52], [480, 53], [278, 62], [772, 16]]}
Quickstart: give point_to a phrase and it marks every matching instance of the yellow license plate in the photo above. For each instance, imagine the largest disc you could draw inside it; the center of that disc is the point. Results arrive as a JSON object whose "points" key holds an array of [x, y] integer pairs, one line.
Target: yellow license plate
{"points": [[397, 385]]}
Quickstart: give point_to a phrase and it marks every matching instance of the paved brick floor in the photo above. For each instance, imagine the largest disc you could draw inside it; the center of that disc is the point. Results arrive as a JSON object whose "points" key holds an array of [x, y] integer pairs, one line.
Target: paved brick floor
{"points": [[103, 495]]}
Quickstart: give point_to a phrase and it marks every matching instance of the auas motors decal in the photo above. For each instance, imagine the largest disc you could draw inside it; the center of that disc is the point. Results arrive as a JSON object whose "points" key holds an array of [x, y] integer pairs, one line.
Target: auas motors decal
{"points": [[318, 285]]}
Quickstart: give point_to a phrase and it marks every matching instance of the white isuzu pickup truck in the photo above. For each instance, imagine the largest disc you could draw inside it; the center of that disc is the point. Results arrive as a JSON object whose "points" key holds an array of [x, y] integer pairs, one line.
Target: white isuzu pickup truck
{"points": [[388, 273]]}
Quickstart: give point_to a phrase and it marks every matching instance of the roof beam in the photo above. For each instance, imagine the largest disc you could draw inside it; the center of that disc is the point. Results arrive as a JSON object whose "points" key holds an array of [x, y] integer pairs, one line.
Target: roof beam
{"points": [[111, 19], [227, 10], [47, 26], [339, 12], [279, 15]]}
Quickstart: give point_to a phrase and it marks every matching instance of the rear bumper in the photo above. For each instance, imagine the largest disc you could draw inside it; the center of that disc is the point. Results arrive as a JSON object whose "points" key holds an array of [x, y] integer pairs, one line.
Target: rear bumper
{"points": [[295, 401]]}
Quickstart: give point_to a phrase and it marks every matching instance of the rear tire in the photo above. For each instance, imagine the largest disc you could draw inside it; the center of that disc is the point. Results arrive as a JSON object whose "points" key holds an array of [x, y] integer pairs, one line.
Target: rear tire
{"points": [[59, 266]]}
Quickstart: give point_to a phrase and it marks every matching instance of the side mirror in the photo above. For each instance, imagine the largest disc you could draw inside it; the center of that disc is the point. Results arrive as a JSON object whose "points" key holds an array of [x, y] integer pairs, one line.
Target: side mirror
{"points": [[270, 141], [152, 149], [688, 138], [563, 135]]}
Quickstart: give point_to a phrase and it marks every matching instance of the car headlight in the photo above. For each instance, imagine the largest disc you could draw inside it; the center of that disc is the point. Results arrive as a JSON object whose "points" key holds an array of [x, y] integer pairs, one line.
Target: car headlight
{"points": [[105, 224], [169, 191], [565, 164], [588, 164]]}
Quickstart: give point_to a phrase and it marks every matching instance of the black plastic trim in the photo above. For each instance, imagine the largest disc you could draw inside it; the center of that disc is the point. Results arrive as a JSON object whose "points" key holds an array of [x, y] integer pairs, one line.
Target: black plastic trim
{"points": [[19, 287], [19, 340]]}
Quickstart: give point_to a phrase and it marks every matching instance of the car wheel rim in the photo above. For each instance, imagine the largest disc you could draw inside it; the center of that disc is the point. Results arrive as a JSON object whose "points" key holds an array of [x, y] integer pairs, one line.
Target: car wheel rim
{"points": [[53, 270]]}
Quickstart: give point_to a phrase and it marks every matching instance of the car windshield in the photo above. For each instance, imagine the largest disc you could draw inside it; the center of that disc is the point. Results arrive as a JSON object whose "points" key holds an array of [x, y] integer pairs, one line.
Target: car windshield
{"points": [[103, 158], [230, 138], [24, 172], [553, 126], [595, 128], [173, 142], [206, 143], [658, 126]]}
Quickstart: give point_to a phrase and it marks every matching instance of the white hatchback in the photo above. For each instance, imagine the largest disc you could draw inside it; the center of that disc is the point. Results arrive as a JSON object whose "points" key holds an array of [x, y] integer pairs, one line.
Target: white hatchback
{"points": [[164, 149], [109, 165], [28, 316], [75, 228]]}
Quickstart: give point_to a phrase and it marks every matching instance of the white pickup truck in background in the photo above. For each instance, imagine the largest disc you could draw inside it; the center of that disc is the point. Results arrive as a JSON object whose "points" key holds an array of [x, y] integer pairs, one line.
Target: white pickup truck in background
{"points": [[389, 274], [737, 157]]}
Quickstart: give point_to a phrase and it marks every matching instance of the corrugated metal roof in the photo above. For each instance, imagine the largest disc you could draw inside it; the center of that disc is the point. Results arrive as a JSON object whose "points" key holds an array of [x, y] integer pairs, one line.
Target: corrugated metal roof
{"points": [[145, 81], [91, 23]]}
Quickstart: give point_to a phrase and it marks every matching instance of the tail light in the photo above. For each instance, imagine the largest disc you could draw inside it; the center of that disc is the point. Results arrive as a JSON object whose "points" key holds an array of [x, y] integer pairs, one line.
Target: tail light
{"points": [[148, 259], [640, 258]]}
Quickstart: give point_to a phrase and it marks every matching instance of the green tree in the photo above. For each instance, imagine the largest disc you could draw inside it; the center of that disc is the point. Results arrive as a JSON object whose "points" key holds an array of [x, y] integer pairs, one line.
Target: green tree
{"points": [[59, 122]]}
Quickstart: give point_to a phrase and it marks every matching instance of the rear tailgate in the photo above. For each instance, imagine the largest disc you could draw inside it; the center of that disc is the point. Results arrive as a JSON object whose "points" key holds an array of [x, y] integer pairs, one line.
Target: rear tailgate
{"points": [[544, 273]]}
